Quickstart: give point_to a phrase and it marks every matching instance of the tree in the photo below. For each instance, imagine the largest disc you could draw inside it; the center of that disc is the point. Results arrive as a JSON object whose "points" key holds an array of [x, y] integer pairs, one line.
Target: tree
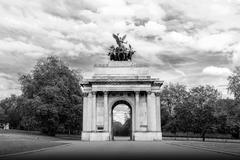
{"points": [[184, 115], [224, 110], [172, 96], [126, 128], [3, 116], [203, 98], [117, 126], [54, 95], [234, 88], [12, 115], [27, 109], [165, 116], [234, 84]]}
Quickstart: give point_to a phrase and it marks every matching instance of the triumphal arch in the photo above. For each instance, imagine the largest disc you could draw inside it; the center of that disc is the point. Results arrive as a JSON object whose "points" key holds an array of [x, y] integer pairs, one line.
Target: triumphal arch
{"points": [[120, 81]]}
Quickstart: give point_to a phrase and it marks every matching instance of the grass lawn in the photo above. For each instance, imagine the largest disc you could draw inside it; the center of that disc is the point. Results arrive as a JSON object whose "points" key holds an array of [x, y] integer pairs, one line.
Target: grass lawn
{"points": [[21, 142]]}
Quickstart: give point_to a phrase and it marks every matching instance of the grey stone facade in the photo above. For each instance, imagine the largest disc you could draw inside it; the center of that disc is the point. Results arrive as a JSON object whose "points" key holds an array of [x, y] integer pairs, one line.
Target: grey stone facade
{"points": [[115, 83]]}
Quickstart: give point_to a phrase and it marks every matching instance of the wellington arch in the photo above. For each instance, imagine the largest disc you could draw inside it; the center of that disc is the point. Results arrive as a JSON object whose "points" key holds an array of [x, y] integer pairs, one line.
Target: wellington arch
{"points": [[120, 81]]}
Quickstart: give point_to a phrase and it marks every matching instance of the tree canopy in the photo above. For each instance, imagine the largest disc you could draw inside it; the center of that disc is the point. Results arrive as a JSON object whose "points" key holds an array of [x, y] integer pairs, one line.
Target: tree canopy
{"points": [[234, 84], [189, 110], [51, 99], [54, 93], [234, 88]]}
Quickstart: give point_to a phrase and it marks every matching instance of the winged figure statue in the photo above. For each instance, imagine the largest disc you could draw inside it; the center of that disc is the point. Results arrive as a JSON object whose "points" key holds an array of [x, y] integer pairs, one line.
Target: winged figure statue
{"points": [[119, 40], [121, 52]]}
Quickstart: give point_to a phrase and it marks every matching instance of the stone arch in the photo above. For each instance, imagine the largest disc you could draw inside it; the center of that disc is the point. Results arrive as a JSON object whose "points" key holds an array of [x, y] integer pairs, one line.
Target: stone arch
{"points": [[112, 105], [121, 102], [123, 98]]}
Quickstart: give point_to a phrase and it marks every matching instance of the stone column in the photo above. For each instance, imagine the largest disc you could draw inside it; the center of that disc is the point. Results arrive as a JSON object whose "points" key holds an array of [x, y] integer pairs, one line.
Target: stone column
{"points": [[94, 117], [89, 110], [133, 119], [158, 111], [137, 117], [149, 123], [106, 111], [85, 111], [160, 117], [151, 111]]}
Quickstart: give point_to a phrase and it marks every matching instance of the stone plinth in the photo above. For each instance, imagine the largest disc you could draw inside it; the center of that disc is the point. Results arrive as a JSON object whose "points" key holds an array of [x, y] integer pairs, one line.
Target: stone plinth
{"points": [[95, 136], [125, 69], [148, 136]]}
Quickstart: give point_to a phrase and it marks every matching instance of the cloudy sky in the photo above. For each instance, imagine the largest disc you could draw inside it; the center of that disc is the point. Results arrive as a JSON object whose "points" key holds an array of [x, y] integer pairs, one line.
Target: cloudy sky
{"points": [[187, 41], [120, 112]]}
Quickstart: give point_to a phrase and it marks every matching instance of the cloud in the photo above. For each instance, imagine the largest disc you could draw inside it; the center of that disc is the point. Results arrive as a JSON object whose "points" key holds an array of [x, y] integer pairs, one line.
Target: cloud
{"points": [[175, 59], [8, 85], [217, 71], [216, 42], [10, 45], [150, 29], [7, 76], [176, 38], [236, 58], [235, 49]]}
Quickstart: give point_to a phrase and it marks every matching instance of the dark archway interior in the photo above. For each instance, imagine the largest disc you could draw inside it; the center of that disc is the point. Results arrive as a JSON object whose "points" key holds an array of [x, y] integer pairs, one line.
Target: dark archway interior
{"points": [[121, 121]]}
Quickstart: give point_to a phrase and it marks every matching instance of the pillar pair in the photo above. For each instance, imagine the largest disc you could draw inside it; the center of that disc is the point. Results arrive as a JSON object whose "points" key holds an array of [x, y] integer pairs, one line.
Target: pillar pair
{"points": [[90, 111], [153, 111]]}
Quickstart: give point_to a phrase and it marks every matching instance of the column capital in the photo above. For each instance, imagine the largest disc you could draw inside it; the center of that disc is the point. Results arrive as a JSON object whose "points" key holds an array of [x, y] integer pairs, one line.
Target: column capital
{"points": [[149, 92], [85, 94], [137, 92], [105, 92]]}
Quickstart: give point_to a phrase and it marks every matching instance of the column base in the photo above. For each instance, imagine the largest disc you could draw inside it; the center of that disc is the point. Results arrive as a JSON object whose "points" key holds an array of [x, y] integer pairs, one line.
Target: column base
{"points": [[148, 136], [105, 136], [95, 136]]}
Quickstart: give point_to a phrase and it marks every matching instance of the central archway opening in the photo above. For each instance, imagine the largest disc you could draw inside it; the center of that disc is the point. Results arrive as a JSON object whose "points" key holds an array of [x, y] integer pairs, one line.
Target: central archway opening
{"points": [[121, 121]]}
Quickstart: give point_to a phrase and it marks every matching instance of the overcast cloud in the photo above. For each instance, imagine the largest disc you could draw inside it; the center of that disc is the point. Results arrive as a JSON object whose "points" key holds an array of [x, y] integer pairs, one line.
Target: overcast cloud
{"points": [[187, 41]]}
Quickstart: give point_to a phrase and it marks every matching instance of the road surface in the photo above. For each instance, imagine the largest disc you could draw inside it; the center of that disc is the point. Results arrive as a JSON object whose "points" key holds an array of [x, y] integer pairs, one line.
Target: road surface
{"points": [[132, 150]]}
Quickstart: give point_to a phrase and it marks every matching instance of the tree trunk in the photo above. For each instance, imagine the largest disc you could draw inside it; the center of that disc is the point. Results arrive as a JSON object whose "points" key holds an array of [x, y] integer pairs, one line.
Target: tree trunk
{"points": [[203, 135]]}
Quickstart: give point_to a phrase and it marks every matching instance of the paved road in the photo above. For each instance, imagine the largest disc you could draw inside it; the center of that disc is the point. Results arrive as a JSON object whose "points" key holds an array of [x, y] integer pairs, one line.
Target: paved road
{"points": [[126, 150]]}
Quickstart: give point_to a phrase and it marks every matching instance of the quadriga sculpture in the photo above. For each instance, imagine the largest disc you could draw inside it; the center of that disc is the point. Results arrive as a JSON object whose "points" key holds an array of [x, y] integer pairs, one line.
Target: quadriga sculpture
{"points": [[120, 53]]}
